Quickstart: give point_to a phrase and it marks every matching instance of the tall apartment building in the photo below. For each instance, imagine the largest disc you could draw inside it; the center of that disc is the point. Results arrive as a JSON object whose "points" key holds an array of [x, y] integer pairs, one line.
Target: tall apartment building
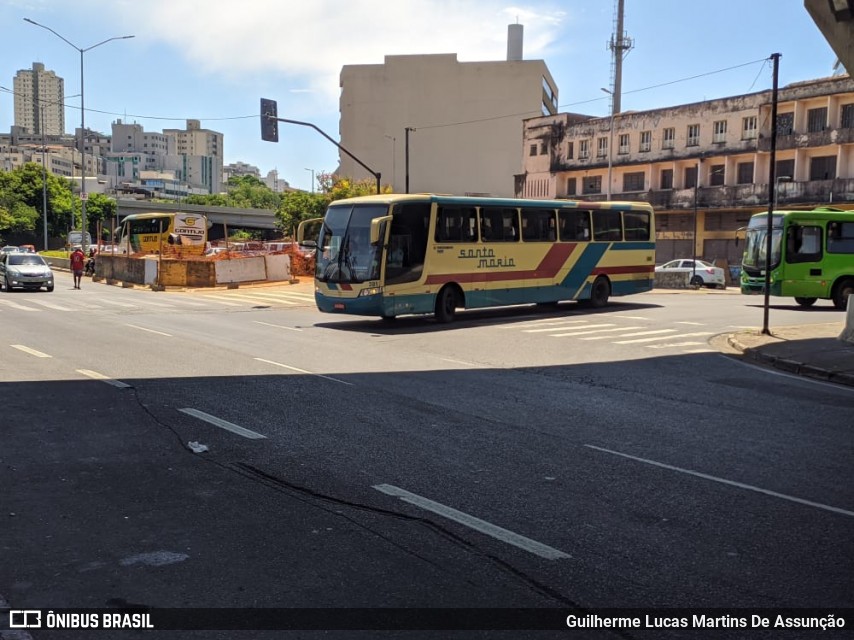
{"points": [[461, 119], [197, 156], [703, 166], [39, 98]]}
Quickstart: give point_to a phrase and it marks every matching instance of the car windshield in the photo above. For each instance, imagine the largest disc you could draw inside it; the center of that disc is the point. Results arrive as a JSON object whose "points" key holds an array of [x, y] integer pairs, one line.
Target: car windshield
{"points": [[345, 252], [25, 259]]}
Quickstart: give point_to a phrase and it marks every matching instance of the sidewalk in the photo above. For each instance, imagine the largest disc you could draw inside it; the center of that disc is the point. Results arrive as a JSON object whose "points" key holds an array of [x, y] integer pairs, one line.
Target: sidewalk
{"points": [[813, 350]]}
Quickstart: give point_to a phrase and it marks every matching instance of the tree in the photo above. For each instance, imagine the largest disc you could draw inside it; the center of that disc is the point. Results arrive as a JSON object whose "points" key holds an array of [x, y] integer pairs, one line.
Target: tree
{"points": [[298, 206]]}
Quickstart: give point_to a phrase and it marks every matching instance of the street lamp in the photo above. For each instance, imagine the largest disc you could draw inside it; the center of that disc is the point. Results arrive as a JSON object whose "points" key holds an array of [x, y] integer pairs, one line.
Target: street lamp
{"points": [[610, 137], [312, 179], [393, 159], [83, 196]]}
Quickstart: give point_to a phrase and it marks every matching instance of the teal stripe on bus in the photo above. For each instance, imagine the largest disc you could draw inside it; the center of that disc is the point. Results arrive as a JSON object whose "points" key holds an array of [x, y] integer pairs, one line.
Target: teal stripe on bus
{"points": [[633, 246], [584, 266]]}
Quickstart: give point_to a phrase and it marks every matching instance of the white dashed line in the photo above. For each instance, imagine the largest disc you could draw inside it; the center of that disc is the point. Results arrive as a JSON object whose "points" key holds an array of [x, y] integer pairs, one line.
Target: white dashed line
{"points": [[160, 333], [100, 376], [319, 375], [32, 352], [732, 483], [499, 533], [223, 424]]}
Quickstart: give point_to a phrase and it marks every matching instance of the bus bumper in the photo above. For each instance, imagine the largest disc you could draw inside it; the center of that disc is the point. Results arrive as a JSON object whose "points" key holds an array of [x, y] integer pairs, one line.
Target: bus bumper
{"points": [[374, 305]]}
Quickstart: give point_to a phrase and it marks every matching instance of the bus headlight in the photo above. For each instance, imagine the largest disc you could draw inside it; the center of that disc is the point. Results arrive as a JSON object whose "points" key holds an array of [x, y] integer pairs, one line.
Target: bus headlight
{"points": [[372, 291]]}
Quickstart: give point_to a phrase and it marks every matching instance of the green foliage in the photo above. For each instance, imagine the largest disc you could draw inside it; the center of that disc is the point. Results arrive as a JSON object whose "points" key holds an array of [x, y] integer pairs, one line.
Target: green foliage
{"points": [[298, 206]]}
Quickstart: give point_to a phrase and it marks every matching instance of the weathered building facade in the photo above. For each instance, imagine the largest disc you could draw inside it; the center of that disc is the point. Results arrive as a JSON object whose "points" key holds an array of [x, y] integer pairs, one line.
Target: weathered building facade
{"points": [[704, 166]]}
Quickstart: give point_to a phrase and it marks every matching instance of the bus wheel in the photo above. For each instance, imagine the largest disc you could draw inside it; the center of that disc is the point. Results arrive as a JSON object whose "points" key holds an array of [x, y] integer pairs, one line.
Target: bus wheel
{"points": [[446, 304], [388, 318], [805, 302], [843, 289], [600, 292]]}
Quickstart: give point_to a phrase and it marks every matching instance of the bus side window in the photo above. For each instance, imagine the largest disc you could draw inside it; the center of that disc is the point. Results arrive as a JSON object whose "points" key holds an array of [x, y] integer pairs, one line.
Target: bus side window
{"points": [[803, 243], [840, 237]]}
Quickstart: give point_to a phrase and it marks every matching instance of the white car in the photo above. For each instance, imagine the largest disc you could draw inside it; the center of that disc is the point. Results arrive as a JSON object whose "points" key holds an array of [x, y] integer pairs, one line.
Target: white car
{"points": [[702, 274]]}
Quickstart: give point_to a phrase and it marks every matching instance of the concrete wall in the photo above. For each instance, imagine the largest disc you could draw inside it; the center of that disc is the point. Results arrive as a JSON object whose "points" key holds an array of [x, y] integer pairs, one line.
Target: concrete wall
{"points": [[278, 267], [672, 281], [847, 334], [242, 270]]}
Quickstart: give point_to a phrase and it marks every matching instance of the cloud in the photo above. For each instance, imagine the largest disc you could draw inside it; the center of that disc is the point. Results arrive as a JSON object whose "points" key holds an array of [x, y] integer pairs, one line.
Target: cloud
{"points": [[310, 41]]}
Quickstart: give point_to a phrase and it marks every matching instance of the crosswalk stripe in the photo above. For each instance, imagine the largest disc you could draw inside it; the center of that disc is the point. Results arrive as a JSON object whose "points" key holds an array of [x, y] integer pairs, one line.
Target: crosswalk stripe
{"points": [[679, 335], [221, 300], [242, 296], [563, 323], [542, 323], [126, 305], [672, 345], [647, 333], [15, 305], [582, 333], [50, 305], [273, 296]]}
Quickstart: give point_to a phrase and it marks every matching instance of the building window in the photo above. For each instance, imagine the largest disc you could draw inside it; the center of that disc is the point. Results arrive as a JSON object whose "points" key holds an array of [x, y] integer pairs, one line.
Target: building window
{"points": [[570, 187], [570, 150], [634, 181], [748, 128], [846, 116], [533, 150], [785, 124], [583, 149], [668, 138], [693, 135], [816, 120], [690, 177], [624, 143], [823, 168], [592, 184], [716, 175], [785, 169], [744, 173], [544, 148], [667, 178], [720, 131], [645, 141], [602, 147]]}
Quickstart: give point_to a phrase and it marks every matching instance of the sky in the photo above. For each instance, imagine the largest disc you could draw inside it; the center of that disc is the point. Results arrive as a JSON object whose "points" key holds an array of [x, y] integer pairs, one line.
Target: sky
{"points": [[213, 60]]}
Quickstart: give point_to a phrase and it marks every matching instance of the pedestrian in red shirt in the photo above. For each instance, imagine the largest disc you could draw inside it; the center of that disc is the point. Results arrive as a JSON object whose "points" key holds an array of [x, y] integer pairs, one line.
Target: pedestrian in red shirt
{"points": [[78, 263]]}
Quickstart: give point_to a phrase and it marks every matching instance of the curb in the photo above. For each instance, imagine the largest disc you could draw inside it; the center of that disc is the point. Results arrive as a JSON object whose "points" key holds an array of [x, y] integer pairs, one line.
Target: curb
{"points": [[791, 366]]}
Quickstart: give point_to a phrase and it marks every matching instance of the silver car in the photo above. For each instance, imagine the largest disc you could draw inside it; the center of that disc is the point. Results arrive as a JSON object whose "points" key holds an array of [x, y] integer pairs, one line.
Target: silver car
{"points": [[25, 271]]}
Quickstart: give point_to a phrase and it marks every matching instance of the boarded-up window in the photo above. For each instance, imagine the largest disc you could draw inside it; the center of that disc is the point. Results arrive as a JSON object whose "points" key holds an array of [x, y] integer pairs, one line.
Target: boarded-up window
{"points": [[744, 173], [633, 181], [823, 168]]}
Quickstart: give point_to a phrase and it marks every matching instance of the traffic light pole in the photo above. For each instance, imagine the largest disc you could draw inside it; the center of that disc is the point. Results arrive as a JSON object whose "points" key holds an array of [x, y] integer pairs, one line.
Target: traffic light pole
{"points": [[268, 114]]}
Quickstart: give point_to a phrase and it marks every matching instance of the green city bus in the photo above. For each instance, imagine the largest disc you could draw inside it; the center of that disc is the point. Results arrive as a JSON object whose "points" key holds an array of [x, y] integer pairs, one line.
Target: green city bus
{"points": [[812, 255]]}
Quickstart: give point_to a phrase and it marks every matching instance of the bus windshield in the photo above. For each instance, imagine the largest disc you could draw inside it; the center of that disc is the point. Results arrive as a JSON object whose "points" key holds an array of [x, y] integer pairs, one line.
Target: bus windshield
{"points": [[344, 250], [756, 244]]}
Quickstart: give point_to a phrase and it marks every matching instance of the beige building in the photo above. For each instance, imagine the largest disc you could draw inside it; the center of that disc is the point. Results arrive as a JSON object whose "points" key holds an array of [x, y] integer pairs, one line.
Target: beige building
{"points": [[462, 120], [196, 155], [703, 166], [39, 98]]}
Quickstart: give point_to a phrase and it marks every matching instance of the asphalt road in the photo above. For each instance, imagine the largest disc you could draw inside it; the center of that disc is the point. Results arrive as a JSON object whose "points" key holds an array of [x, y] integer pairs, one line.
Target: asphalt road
{"points": [[554, 458]]}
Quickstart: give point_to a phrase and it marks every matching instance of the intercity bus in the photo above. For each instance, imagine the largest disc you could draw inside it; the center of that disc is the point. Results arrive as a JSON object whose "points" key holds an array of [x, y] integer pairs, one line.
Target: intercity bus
{"points": [[186, 233], [812, 255], [388, 255]]}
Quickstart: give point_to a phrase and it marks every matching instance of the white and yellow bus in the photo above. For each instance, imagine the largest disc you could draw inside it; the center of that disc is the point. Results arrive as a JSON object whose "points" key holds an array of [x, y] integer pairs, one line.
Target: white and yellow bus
{"points": [[388, 255], [175, 232]]}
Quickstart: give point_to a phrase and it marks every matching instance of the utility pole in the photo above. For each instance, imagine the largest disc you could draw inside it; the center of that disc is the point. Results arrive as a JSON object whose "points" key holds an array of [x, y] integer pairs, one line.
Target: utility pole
{"points": [[771, 185], [406, 131]]}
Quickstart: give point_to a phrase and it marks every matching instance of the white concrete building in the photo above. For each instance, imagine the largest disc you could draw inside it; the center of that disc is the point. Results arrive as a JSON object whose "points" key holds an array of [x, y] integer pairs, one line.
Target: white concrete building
{"points": [[197, 156], [39, 98], [462, 119]]}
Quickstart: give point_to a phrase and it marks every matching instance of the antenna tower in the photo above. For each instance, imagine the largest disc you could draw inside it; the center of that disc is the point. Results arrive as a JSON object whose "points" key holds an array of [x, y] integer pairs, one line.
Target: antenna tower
{"points": [[620, 45]]}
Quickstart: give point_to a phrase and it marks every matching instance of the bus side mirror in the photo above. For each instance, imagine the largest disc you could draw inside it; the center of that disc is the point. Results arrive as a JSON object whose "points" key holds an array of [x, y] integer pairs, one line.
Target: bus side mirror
{"points": [[378, 229]]}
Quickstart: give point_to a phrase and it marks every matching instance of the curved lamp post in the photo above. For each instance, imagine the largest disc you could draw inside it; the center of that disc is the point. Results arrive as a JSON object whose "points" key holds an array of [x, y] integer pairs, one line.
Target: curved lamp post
{"points": [[83, 196]]}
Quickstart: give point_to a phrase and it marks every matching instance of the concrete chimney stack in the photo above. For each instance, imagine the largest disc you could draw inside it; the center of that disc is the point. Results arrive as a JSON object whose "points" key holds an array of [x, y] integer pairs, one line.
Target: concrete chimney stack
{"points": [[514, 41]]}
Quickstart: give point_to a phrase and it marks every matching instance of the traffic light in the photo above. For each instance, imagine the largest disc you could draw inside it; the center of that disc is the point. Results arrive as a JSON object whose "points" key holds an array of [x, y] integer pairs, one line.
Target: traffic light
{"points": [[269, 123]]}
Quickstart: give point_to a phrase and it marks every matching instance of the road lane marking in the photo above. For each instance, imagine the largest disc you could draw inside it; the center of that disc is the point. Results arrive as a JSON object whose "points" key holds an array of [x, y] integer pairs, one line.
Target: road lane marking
{"points": [[277, 297], [463, 362], [164, 305], [319, 375], [793, 377], [630, 317], [732, 483], [278, 326], [126, 305], [100, 376], [51, 305], [670, 345], [648, 333], [19, 307], [697, 324], [499, 533], [551, 326], [32, 352], [582, 333], [160, 333], [220, 300], [223, 424], [678, 335]]}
